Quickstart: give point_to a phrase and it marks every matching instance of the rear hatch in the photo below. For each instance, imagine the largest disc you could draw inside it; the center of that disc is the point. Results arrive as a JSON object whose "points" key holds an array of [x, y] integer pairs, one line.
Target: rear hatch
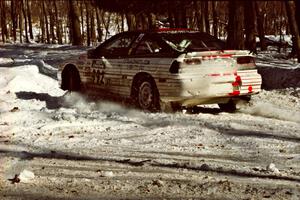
{"points": [[231, 72]]}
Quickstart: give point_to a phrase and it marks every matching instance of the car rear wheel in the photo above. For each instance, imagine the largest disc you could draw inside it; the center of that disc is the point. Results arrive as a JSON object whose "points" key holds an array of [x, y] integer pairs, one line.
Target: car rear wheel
{"points": [[147, 96], [228, 107]]}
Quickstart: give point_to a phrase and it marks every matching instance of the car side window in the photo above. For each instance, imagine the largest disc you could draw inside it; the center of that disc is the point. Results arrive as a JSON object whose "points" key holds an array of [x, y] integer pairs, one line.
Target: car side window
{"points": [[148, 47], [123, 42], [119, 46]]}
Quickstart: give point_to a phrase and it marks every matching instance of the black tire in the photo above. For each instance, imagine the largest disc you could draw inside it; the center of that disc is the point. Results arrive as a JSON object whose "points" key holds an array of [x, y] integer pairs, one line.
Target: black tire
{"points": [[147, 96], [228, 107]]}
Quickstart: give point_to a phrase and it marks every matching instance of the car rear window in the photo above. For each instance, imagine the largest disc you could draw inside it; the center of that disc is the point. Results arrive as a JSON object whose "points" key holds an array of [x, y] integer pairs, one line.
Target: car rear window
{"points": [[192, 41]]}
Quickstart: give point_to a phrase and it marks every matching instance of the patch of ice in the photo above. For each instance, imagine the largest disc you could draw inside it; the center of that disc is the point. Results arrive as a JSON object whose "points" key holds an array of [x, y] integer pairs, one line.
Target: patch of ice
{"points": [[107, 174], [26, 176], [272, 168], [6, 61]]}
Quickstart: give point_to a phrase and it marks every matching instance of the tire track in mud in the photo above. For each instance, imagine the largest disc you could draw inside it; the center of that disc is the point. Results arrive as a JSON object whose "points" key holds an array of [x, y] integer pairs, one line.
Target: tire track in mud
{"points": [[134, 141], [208, 165], [67, 168]]}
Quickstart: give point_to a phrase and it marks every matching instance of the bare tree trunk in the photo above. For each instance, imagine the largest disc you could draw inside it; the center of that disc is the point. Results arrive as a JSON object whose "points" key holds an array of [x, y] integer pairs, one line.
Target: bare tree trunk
{"points": [[260, 26], [92, 23], [82, 20], [250, 24], [144, 21], [280, 28], [170, 16], [176, 14], [51, 23], [46, 23], [75, 23], [20, 21], [4, 31], [180, 14], [42, 22], [183, 21], [122, 22], [14, 18], [29, 19], [99, 28], [88, 34], [106, 21], [131, 22], [215, 18], [206, 17], [58, 24], [198, 15], [151, 21], [25, 19], [297, 3], [290, 8], [203, 21], [235, 39]]}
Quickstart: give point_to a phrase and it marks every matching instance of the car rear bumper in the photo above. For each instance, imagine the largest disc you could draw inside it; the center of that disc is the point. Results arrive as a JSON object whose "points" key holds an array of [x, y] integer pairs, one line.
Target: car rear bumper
{"points": [[215, 88]]}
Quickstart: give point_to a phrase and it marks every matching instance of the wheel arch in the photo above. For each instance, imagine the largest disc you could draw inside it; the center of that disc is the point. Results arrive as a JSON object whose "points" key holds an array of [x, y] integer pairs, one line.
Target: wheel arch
{"points": [[70, 70], [137, 78]]}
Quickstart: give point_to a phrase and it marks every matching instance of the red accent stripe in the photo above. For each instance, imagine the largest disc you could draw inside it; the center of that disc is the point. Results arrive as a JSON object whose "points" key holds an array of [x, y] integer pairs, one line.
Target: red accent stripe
{"points": [[214, 74], [227, 74]]}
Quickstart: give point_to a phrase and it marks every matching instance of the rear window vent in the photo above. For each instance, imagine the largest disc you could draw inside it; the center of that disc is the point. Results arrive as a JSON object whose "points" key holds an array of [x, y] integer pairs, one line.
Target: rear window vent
{"points": [[174, 69]]}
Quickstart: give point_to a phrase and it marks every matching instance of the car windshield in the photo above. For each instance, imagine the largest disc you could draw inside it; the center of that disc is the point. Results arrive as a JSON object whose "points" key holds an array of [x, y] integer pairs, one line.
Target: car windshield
{"points": [[192, 41]]}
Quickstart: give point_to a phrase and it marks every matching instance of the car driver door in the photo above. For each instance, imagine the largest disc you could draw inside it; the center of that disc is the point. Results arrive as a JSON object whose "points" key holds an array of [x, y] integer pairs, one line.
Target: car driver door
{"points": [[107, 62]]}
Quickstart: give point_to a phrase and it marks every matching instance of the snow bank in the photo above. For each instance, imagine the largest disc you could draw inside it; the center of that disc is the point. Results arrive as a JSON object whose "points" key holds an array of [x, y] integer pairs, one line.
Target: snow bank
{"points": [[276, 38], [46, 57], [279, 78], [277, 70], [6, 61], [27, 78]]}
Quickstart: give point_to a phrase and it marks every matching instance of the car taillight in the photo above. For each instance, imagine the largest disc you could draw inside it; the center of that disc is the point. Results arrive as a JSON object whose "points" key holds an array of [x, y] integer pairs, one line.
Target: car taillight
{"points": [[250, 89], [245, 60], [192, 61]]}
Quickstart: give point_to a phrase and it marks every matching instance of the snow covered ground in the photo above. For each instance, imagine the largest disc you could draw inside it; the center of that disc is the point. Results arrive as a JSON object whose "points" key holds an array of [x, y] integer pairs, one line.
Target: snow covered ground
{"points": [[79, 148]]}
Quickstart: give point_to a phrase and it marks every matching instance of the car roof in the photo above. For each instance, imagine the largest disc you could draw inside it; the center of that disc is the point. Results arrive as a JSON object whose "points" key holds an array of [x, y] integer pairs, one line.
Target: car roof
{"points": [[165, 31]]}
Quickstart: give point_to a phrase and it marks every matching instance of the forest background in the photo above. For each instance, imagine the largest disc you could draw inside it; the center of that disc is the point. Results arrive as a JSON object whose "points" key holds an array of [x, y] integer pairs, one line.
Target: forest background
{"points": [[89, 22]]}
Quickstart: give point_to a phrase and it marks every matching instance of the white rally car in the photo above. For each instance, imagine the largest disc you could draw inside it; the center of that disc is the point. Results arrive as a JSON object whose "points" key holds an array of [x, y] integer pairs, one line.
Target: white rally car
{"points": [[163, 69]]}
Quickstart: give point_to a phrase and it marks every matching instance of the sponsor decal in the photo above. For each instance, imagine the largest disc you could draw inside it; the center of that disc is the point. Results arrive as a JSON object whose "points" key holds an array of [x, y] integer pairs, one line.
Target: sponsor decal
{"points": [[80, 62], [98, 64], [98, 76], [142, 61]]}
